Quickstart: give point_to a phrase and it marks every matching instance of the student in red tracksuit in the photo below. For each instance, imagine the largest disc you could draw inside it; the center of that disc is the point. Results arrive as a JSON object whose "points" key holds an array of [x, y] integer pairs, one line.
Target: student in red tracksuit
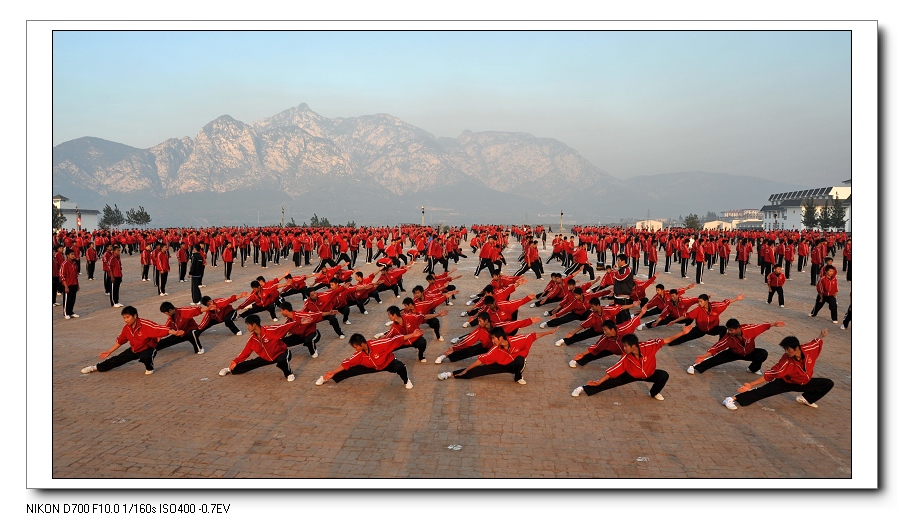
{"points": [[228, 259], [162, 265], [705, 317], [182, 319], [263, 297], [90, 260], [742, 256], [305, 331], [478, 341], [637, 364], [372, 356], [507, 355], [405, 324], [826, 290], [68, 278], [532, 261], [738, 344], [609, 343], [793, 372], [266, 342], [220, 310], [115, 265], [145, 261], [775, 282], [182, 258], [142, 336]]}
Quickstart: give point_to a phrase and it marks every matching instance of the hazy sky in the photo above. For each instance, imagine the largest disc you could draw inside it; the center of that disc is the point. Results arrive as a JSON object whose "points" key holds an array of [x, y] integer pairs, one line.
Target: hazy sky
{"points": [[770, 104]]}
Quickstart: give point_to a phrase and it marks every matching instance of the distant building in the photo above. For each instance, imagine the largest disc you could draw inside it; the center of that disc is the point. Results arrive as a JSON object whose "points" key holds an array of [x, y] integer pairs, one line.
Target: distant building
{"points": [[785, 210], [717, 225], [649, 224], [734, 214], [72, 212]]}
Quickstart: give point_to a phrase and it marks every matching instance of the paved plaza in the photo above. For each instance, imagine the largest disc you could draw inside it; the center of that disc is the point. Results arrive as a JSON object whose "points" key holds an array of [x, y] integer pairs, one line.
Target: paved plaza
{"points": [[185, 421]]}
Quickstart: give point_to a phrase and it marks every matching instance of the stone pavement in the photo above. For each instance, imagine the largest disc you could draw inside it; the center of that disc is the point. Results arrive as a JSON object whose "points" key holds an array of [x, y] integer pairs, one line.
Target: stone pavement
{"points": [[185, 421]]}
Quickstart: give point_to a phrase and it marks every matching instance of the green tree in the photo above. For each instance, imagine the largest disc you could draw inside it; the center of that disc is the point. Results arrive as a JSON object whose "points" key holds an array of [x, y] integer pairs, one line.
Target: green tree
{"points": [[710, 215], [111, 218], [58, 218], [350, 224], [291, 223], [824, 218], [138, 218], [692, 221], [317, 222], [808, 217], [838, 218]]}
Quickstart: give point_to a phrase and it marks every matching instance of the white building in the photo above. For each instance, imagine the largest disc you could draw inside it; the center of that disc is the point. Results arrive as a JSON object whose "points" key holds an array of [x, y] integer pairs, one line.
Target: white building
{"points": [[717, 225], [785, 210], [71, 211], [649, 224]]}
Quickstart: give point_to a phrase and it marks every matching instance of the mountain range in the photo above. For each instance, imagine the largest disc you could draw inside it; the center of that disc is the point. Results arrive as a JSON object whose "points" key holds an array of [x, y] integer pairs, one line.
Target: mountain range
{"points": [[375, 169]]}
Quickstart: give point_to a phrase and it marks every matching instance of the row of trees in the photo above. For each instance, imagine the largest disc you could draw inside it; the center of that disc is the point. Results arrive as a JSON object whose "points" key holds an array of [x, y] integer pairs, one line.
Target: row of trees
{"points": [[316, 222], [113, 217], [826, 217]]}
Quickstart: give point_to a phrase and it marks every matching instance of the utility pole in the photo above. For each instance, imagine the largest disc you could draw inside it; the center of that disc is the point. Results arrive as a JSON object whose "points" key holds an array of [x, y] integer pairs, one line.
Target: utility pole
{"points": [[282, 223], [561, 215], [422, 216]]}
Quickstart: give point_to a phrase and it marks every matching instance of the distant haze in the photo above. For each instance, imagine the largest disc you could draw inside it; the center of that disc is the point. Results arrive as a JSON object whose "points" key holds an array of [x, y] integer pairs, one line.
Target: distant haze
{"points": [[765, 104]]}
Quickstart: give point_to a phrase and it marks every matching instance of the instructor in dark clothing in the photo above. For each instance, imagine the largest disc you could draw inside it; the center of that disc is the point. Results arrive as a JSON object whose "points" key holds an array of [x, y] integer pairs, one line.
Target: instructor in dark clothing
{"points": [[196, 272]]}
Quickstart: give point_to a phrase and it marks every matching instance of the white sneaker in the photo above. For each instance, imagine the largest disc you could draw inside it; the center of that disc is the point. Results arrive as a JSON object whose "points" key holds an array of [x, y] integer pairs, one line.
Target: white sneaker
{"points": [[464, 313], [449, 303], [347, 322], [201, 351], [89, 369], [67, 316], [577, 391], [691, 370], [225, 371], [439, 360], [532, 305], [423, 360], [365, 312], [149, 372], [316, 353], [441, 339], [115, 305], [238, 333], [543, 325], [341, 336], [802, 400], [843, 328], [166, 293], [658, 396], [468, 303], [444, 375], [388, 324], [319, 382], [782, 306], [758, 372], [290, 378], [453, 341], [55, 304], [572, 363], [409, 385], [473, 296], [835, 322], [547, 313], [161, 295], [275, 319], [76, 315], [465, 325], [378, 335], [560, 342], [729, 403], [522, 381], [229, 281]]}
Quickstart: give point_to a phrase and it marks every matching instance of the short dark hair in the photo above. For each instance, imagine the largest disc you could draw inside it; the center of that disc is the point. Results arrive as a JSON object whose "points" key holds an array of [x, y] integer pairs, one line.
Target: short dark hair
{"points": [[703, 297], [630, 340], [253, 319], [733, 324], [789, 342], [394, 311], [497, 333], [255, 284], [595, 301], [357, 339], [205, 300], [166, 306], [483, 315], [609, 324], [418, 288], [130, 310], [489, 300], [660, 286], [285, 305], [673, 291], [408, 301]]}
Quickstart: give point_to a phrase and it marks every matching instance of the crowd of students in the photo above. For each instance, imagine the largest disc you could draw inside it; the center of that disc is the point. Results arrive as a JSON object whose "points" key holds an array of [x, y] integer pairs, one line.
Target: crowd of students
{"points": [[608, 308]]}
